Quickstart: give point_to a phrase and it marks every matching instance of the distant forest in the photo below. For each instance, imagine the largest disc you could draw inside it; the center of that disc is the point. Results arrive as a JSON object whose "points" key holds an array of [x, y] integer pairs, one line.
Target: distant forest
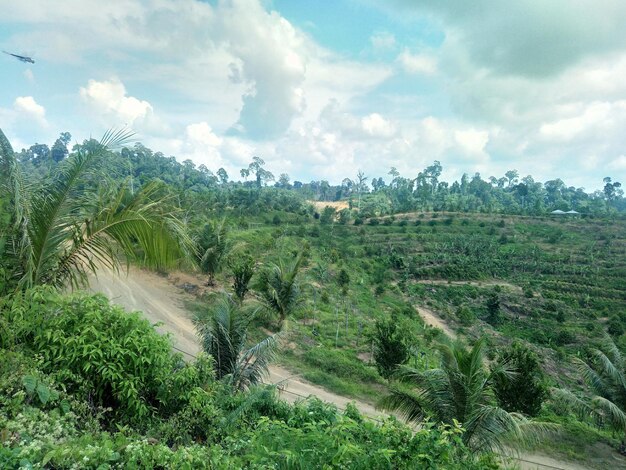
{"points": [[373, 196]]}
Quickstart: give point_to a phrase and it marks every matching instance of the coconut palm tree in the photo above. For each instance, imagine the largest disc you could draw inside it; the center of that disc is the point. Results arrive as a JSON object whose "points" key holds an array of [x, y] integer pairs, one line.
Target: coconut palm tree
{"points": [[223, 331], [605, 374], [212, 247], [76, 220], [460, 391], [279, 287]]}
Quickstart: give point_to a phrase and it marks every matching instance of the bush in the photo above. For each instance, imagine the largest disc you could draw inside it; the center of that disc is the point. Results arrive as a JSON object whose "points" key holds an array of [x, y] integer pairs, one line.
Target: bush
{"points": [[494, 316], [97, 349], [615, 328], [526, 391], [390, 347], [465, 315], [337, 363]]}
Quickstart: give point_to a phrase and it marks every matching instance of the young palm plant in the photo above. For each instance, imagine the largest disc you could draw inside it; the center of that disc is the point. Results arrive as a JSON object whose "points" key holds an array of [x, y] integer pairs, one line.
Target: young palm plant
{"points": [[279, 287], [73, 222], [460, 391], [223, 330], [212, 247], [605, 374]]}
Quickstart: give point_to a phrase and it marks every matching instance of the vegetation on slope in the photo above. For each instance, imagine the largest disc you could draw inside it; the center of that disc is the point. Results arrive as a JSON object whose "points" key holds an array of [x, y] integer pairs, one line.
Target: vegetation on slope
{"points": [[552, 285]]}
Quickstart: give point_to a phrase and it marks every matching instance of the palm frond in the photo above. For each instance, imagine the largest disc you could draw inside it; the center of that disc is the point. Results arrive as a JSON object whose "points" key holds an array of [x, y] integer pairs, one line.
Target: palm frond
{"points": [[114, 138], [609, 412], [223, 331], [50, 221], [608, 369], [493, 429], [405, 402], [253, 364]]}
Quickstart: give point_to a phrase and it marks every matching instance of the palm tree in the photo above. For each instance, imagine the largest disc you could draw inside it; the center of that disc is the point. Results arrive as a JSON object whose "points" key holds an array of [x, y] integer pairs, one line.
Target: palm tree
{"points": [[73, 222], [460, 391], [605, 373], [279, 287], [212, 247], [224, 333]]}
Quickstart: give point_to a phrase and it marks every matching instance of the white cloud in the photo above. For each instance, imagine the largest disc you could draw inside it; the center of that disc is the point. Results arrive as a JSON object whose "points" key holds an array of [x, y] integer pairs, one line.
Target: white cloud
{"points": [[203, 134], [528, 85], [618, 164], [418, 64], [28, 109], [472, 141], [113, 107], [109, 97], [377, 126], [595, 115], [29, 75], [383, 41]]}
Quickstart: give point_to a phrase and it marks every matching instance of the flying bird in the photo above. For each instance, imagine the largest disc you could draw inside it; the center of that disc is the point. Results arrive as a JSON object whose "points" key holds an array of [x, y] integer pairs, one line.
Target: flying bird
{"points": [[21, 57]]}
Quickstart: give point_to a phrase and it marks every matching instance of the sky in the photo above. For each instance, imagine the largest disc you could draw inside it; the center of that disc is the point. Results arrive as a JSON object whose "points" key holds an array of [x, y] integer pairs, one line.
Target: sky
{"points": [[322, 89]]}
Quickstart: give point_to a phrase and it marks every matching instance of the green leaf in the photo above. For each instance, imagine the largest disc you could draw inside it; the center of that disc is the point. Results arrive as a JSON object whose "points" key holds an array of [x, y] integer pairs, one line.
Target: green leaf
{"points": [[29, 383], [65, 406], [43, 393]]}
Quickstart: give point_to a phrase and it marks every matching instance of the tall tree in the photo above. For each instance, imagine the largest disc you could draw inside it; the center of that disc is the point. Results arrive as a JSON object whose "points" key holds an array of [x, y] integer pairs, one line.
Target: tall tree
{"points": [[260, 174], [59, 149], [222, 175], [361, 185], [611, 190]]}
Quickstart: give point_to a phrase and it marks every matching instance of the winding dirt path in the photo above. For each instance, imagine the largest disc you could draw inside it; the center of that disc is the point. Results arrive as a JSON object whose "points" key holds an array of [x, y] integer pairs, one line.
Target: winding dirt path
{"points": [[163, 303]]}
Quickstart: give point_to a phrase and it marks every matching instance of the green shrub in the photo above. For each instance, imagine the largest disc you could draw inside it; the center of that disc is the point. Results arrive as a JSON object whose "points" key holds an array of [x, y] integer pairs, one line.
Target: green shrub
{"points": [[465, 315], [390, 346], [97, 349], [526, 391]]}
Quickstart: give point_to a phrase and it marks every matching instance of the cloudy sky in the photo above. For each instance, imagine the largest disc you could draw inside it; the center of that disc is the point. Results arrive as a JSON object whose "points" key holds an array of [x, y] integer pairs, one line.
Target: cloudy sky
{"points": [[321, 89]]}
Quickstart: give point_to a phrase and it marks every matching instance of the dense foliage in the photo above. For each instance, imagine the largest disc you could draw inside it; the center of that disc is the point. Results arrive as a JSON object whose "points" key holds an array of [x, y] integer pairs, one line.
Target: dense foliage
{"points": [[390, 347], [129, 402], [526, 390]]}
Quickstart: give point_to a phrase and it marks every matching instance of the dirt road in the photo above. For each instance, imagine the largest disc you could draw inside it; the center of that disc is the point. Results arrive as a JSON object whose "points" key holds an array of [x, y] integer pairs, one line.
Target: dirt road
{"points": [[432, 319], [161, 302]]}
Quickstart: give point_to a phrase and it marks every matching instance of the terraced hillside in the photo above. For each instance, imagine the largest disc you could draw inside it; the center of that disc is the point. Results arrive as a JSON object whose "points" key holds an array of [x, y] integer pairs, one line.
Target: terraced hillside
{"points": [[559, 285]]}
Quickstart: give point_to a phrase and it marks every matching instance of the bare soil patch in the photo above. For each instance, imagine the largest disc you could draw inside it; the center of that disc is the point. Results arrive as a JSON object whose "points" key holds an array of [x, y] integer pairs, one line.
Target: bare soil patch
{"points": [[338, 205], [432, 319]]}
